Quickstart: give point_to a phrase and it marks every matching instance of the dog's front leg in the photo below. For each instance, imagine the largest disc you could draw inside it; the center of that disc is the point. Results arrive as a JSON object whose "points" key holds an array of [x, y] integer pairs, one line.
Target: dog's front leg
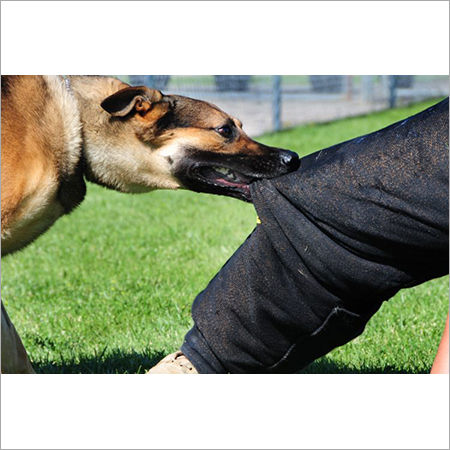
{"points": [[14, 355]]}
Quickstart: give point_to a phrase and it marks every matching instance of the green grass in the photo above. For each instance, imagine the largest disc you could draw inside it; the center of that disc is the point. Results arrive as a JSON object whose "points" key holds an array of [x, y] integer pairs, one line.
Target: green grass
{"points": [[109, 288]]}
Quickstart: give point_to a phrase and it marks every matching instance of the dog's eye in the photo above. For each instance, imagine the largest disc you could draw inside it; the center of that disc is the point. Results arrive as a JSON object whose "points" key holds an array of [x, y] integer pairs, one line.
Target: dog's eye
{"points": [[225, 131]]}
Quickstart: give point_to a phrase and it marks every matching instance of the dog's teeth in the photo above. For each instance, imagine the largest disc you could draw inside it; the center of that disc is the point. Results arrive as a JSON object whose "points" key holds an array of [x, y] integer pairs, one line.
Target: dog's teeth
{"points": [[226, 173], [222, 170]]}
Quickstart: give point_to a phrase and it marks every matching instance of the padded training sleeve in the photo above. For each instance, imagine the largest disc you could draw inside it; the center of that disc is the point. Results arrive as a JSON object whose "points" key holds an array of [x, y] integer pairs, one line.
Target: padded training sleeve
{"points": [[356, 223]]}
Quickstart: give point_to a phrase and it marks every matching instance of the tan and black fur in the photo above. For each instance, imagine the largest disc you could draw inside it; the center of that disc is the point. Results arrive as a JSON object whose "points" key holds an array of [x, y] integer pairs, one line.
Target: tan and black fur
{"points": [[57, 132]]}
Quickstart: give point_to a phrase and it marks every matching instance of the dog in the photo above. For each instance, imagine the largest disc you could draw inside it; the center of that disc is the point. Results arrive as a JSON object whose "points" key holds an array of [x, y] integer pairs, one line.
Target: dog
{"points": [[59, 131]]}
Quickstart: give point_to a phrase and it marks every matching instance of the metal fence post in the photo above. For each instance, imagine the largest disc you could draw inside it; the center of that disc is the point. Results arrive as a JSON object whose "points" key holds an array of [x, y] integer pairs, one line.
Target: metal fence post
{"points": [[276, 102], [349, 86], [392, 91]]}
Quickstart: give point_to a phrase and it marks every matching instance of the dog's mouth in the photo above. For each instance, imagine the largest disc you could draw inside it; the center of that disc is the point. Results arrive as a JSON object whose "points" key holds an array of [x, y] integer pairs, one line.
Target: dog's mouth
{"points": [[231, 175], [215, 178], [225, 178]]}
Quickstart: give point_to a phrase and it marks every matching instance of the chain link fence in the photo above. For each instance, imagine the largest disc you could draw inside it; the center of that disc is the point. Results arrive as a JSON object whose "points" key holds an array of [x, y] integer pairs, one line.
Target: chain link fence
{"points": [[273, 102]]}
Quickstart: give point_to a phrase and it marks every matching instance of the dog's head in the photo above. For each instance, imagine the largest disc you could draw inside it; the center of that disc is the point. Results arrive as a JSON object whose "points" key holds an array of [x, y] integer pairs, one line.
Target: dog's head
{"points": [[192, 144]]}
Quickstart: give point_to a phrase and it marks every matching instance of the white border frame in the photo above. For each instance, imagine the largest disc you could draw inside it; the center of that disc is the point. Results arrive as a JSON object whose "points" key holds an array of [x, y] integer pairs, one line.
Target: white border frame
{"points": [[298, 411]]}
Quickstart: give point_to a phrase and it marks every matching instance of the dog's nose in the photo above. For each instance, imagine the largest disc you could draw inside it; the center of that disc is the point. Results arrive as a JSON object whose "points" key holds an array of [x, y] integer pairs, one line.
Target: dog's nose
{"points": [[290, 160]]}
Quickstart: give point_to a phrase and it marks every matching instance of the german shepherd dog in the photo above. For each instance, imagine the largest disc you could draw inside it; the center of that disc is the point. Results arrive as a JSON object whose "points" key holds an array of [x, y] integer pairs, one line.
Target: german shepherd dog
{"points": [[59, 131]]}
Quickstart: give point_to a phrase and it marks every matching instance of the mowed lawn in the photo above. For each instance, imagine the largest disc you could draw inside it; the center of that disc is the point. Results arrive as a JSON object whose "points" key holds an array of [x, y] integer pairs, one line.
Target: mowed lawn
{"points": [[109, 288]]}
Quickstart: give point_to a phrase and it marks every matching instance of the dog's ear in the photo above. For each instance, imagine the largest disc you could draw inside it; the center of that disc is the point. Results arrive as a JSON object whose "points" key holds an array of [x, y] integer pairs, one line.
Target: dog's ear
{"points": [[135, 97]]}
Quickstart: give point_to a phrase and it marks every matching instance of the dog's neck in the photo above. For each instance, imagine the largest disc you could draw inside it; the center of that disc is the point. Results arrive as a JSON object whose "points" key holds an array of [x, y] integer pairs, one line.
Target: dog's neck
{"points": [[89, 92], [72, 186], [69, 90], [68, 84], [114, 155], [104, 138]]}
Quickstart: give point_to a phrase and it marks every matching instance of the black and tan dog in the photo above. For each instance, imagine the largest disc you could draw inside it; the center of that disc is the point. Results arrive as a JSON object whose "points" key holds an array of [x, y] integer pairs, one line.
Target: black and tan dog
{"points": [[57, 131]]}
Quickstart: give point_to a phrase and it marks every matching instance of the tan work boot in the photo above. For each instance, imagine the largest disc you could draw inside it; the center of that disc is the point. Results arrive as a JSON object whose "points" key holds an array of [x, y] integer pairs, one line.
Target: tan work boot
{"points": [[173, 363]]}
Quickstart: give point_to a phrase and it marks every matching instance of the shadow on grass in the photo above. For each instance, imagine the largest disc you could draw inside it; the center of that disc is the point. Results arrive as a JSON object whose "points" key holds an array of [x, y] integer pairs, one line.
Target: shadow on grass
{"points": [[115, 362], [119, 362], [327, 366]]}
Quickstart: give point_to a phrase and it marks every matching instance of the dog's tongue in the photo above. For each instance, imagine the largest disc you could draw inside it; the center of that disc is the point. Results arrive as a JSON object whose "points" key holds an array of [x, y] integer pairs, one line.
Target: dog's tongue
{"points": [[232, 183]]}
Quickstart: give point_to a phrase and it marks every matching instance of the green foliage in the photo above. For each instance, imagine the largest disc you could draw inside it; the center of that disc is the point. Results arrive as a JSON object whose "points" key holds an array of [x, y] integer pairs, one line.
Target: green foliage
{"points": [[109, 288]]}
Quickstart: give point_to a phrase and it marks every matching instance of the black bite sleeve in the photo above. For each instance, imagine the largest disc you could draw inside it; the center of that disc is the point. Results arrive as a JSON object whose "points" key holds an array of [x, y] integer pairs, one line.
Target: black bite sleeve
{"points": [[356, 223]]}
